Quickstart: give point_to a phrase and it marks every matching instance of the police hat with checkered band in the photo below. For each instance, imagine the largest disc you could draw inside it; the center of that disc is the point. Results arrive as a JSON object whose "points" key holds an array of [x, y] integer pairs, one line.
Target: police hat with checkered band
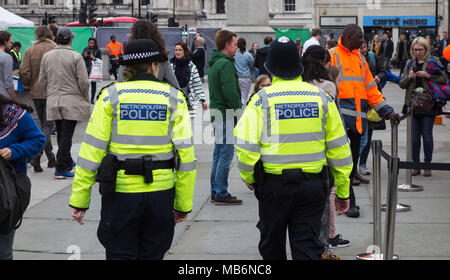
{"points": [[141, 51], [283, 59]]}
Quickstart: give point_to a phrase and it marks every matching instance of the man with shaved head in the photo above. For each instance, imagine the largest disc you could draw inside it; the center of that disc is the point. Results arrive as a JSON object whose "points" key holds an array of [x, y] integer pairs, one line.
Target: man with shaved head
{"points": [[358, 92]]}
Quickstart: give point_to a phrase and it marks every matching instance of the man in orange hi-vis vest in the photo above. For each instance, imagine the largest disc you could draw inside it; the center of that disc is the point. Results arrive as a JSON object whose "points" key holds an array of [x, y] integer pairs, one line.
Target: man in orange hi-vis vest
{"points": [[115, 49], [358, 92]]}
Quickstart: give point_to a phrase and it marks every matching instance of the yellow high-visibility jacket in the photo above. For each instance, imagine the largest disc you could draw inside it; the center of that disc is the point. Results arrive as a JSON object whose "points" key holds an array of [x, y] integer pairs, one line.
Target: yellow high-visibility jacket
{"points": [[133, 119], [289, 125]]}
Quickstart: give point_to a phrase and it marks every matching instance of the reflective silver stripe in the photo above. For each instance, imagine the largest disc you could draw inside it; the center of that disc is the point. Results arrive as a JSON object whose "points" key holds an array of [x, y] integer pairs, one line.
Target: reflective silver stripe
{"points": [[113, 99], [341, 70], [95, 142], [380, 105], [352, 113], [266, 133], [187, 166], [352, 79], [323, 95], [338, 142], [184, 143], [338, 61], [244, 166], [155, 157], [363, 61], [283, 159], [173, 103], [297, 137], [371, 85], [251, 147], [340, 162], [87, 164]]}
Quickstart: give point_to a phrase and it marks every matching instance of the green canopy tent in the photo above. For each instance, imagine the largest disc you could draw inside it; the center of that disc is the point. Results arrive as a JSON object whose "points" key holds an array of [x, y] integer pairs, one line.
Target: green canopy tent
{"points": [[291, 33], [25, 35]]}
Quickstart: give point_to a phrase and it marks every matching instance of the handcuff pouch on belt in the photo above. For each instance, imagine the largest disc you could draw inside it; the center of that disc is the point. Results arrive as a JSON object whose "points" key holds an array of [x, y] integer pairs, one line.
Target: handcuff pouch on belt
{"points": [[107, 174], [140, 166], [258, 173]]}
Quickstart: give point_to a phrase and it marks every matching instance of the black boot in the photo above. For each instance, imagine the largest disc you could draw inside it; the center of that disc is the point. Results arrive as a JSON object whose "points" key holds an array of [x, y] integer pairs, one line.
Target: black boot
{"points": [[51, 161], [36, 163]]}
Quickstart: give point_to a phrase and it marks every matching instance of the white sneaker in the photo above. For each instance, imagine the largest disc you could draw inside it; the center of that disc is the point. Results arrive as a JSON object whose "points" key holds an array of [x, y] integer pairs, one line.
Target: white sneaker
{"points": [[363, 170]]}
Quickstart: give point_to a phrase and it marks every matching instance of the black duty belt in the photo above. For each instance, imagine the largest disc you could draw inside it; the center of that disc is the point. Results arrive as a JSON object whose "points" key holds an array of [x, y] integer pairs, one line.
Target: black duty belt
{"points": [[144, 166], [307, 176], [162, 164]]}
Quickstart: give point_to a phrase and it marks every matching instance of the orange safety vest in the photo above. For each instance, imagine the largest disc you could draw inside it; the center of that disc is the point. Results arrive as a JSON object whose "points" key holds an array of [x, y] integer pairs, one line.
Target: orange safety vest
{"points": [[358, 91], [115, 48]]}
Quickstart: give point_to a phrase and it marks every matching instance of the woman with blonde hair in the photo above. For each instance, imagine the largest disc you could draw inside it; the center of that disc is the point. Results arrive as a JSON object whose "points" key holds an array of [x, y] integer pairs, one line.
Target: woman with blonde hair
{"points": [[375, 45], [415, 80]]}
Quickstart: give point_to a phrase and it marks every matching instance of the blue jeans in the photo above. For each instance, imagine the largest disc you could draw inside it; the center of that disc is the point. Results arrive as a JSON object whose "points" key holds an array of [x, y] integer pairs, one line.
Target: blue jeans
{"points": [[422, 127], [222, 158], [364, 149], [6, 246]]}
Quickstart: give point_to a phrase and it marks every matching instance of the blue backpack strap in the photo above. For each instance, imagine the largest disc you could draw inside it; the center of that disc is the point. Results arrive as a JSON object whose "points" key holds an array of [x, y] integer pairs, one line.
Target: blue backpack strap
{"points": [[372, 58], [410, 63]]}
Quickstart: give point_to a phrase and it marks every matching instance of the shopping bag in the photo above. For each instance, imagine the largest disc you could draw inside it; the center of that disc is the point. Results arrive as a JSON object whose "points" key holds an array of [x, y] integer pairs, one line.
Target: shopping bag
{"points": [[96, 74]]}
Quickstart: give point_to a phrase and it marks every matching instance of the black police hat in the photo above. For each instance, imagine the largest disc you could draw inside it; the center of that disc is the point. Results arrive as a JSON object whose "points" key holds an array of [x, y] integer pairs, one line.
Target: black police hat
{"points": [[141, 51], [283, 59]]}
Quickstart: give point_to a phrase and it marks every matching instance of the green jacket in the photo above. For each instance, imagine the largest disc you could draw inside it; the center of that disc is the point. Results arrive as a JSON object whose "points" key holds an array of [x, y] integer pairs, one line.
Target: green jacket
{"points": [[224, 91], [410, 84]]}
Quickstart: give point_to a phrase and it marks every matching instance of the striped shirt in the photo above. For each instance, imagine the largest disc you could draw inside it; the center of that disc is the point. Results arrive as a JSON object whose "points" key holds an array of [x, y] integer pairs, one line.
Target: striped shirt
{"points": [[6, 77], [196, 92]]}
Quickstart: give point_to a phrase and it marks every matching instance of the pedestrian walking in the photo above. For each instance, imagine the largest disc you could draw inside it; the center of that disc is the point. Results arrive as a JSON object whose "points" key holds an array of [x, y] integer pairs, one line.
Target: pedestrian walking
{"points": [[142, 29], [261, 56], [16, 56], [243, 62], [189, 79], [20, 140], [386, 50], [375, 45], [225, 99], [198, 56], [415, 80], [63, 76], [358, 92], [316, 36], [379, 74], [115, 49], [29, 73], [300, 131], [92, 53], [6, 66], [402, 53], [130, 148]]}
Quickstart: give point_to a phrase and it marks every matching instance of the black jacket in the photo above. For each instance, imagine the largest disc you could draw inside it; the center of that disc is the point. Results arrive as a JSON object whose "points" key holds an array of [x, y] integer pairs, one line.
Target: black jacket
{"points": [[198, 57], [260, 59], [389, 49], [87, 58], [376, 68]]}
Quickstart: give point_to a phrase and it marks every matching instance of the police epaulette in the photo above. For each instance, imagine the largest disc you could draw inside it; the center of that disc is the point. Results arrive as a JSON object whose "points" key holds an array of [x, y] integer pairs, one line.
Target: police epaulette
{"points": [[100, 92]]}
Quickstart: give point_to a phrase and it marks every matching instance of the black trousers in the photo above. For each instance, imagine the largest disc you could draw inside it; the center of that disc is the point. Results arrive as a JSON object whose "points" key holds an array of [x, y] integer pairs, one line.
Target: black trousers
{"points": [[137, 226], [64, 130], [46, 126], [295, 208], [355, 143]]}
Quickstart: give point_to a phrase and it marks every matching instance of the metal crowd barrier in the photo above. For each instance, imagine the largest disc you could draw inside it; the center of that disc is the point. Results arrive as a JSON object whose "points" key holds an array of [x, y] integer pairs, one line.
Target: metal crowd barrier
{"points": [[386, 252]]}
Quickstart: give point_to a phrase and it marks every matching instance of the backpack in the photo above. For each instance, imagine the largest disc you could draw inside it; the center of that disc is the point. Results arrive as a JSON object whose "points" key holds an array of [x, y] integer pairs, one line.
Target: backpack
{"points": [[372, 58], [15, 192]]}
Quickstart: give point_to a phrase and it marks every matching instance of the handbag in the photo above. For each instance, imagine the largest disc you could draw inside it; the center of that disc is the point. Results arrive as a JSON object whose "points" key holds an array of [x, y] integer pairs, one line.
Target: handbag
{"points": [[422, 100], [375, 122], [96, 74]]}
